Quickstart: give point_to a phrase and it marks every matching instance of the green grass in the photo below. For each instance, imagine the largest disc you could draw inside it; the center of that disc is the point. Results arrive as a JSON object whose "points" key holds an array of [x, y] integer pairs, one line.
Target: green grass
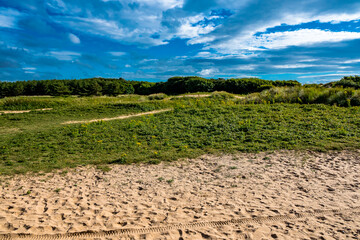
{"points": [[194, 127], [74, 109], [37, 102]]}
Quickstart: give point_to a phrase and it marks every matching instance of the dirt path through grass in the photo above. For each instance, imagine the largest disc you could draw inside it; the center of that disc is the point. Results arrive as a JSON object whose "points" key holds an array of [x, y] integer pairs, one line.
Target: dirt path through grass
{"points": [[119, 117], [204, 95], [23, 111]]}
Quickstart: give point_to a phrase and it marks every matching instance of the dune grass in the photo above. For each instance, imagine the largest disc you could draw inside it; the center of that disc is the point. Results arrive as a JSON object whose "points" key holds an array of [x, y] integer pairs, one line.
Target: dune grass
{"points": [[345, 97], [35, 141]]}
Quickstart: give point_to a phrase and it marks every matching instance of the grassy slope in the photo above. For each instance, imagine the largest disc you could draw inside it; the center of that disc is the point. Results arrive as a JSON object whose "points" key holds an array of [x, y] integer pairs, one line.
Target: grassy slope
{"points": [[196, 126]]}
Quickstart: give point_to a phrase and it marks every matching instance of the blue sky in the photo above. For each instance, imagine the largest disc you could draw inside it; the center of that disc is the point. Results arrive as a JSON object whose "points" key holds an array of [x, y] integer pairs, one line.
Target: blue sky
{"points": [[309, 40]]}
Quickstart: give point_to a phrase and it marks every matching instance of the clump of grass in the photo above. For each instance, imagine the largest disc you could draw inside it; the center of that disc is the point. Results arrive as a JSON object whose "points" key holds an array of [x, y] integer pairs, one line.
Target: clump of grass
{"points": [[169, 181], [103, 168], [344, 97], [222, 95], [157, 96], [57, 190]]}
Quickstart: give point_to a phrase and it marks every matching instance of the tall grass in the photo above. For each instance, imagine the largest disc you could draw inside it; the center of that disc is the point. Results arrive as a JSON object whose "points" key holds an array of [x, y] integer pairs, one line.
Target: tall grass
{"points": [[307, 95], [31, 102]]}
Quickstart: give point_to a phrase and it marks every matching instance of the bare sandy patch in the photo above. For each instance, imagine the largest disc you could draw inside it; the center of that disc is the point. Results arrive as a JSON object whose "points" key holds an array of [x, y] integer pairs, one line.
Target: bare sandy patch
{"points": [[119, 117], [23, 111], [205, 95], [194, 95], [198, 192]]}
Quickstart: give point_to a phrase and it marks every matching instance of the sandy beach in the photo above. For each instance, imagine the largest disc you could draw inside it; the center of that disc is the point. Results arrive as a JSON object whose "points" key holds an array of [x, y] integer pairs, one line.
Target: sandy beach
{"points": [[206, 189]]}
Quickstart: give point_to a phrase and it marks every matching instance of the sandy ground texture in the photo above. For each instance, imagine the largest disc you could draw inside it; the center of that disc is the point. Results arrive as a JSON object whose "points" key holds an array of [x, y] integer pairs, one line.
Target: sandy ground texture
{"points": [[209, 188], [22, 111], [119, 117]]}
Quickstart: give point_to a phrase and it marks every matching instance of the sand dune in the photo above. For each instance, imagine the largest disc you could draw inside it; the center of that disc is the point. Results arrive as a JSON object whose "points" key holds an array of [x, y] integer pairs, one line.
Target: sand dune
{"points": [[210, 188]]}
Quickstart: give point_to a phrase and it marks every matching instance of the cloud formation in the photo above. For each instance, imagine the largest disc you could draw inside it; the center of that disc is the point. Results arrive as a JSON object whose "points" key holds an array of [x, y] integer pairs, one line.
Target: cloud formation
{"points": [[74, 39], [311, 40]]}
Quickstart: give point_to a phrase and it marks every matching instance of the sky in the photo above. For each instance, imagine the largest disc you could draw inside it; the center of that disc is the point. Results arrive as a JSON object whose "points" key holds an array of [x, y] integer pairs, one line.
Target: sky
{"points": [[312, 41]]}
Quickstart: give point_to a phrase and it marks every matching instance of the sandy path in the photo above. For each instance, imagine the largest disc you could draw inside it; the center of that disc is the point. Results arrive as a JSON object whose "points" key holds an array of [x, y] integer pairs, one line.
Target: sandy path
{"points": [[23, 111], [205, 95], [206, 189], [194, 95], [119, 117]]}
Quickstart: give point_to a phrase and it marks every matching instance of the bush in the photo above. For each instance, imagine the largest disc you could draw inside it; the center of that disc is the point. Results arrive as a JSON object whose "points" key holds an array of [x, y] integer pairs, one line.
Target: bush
{"points": [[348, 82], [222, 95], [157, 96]]}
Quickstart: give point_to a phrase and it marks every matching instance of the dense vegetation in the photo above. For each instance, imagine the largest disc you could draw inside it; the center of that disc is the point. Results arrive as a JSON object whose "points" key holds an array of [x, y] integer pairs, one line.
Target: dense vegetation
{"points": [[37, 141], [114, 87], [347, 82], [174, 85], [84, 87], [344, 97], [275, 115]]}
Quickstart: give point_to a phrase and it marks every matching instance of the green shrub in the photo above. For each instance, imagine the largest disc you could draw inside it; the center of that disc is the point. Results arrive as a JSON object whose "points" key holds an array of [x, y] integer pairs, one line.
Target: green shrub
{"points": [[157, 96], [222, 95]]}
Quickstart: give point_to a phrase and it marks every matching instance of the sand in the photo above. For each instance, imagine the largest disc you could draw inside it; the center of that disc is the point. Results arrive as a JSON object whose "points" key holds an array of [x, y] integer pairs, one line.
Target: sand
{"points": [[120, 117], [22, 111], [209, 188]]}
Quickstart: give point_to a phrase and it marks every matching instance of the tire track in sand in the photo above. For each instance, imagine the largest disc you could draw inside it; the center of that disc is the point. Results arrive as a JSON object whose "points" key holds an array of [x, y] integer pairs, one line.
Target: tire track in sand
{"points": [[195, 225]]}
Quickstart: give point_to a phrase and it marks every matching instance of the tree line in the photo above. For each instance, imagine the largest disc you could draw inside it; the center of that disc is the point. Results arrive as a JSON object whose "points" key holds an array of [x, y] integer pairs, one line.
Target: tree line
{"points": [[116, 86], [83, 87]]}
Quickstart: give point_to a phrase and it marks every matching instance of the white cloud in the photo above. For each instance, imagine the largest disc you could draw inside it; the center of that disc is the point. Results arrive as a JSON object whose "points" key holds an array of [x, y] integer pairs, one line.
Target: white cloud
{"points": [[149, 60], [200, 39], [9, 17], [248, 67], [279, 40], [330, 75], [128, 66], [74, 39], [63, 55], [139, 24], [216, 55], [113, 29], [189, 28], [336, 18], [245, 39], [309, 60], [29, 68], [208, 72], [288, 66], [117, 54], [352, 61], [163, 4]]}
